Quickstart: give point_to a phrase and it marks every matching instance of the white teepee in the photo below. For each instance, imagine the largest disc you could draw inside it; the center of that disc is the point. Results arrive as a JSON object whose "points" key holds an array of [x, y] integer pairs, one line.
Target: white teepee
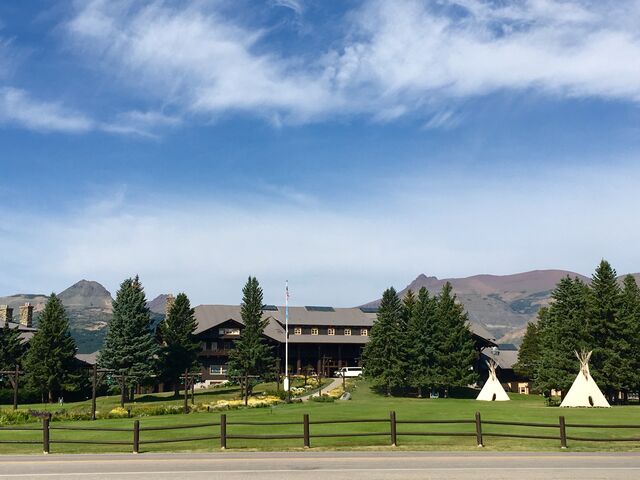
{"points": [[584, 392], [492, 390]]}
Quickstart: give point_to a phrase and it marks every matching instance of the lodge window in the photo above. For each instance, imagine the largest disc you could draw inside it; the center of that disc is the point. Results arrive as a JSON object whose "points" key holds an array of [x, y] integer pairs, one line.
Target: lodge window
{"points": [[218, 369], [347, 331], [314, 331], [229, 331], [364, 332], [297, 331], [331, 331]]}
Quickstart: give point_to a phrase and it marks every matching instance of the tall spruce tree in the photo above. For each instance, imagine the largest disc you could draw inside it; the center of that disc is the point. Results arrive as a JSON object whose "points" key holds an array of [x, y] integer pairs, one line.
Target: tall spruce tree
{"points": [[456, 355], [629, 318], [562, 329], [604, 329], [50, 364], [130, 347], [408, 306], [179, 347], [422, 340], [529, 353], [251, 357], [11, 347], [383, 355]]}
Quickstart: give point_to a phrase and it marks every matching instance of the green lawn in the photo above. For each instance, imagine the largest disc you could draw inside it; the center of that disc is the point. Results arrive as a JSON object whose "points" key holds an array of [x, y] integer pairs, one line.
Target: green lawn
{"points": [[365, 404], [107, 403]]}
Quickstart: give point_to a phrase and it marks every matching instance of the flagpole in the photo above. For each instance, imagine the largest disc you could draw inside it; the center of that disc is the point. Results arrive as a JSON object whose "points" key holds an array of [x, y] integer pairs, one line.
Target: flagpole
{"points": [[287, 383]]}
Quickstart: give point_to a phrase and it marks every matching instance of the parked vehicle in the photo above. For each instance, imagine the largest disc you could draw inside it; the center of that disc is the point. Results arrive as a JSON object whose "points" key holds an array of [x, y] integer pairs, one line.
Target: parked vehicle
{"points": [[349, 372]]}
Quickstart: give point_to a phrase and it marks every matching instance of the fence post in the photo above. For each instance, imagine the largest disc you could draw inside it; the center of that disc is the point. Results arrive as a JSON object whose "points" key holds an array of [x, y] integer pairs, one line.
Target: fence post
{"points": [[45, 434], [563, 433], [394, 434], [136, 436], [479, 430], [307, 440], [223, 431]]}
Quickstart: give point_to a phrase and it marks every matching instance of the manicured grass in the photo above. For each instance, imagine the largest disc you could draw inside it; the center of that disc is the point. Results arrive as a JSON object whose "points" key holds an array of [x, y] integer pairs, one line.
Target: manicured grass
{"points": [[364, 404], [107, 403]]}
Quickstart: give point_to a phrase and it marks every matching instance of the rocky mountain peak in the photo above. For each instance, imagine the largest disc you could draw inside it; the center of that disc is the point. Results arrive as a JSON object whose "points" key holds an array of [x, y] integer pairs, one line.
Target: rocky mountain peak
{"points": [[86, 294]]}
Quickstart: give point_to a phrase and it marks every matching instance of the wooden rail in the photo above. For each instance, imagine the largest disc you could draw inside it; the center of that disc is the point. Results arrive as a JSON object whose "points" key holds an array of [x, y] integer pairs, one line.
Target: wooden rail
{"points": [[220, 430]]}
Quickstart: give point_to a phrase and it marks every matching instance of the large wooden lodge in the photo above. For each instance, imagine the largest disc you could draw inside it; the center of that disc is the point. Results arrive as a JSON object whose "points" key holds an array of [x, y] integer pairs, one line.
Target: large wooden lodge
{"points": [[323, 338]]}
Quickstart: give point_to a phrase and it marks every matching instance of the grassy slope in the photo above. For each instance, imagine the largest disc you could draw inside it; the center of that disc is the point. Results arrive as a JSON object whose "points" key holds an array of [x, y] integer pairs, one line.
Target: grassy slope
{"points": [[364, 404]]}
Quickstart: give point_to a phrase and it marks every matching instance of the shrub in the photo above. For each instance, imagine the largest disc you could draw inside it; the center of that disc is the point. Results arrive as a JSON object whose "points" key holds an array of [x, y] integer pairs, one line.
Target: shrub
{"points": [[118, 412], [323, 399]]}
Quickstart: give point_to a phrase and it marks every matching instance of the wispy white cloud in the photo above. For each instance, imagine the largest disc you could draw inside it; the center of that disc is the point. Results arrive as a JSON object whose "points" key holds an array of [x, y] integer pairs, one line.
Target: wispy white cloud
{"points": [[341, 254], [18, 107], [194, 57], [409, 50], [144, 124], [398, 58], [296, 5]]}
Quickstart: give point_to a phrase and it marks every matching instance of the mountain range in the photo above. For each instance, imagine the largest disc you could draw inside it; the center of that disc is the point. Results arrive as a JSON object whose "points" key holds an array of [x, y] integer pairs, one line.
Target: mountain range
{"points": [[503, 304], [89, 307]]}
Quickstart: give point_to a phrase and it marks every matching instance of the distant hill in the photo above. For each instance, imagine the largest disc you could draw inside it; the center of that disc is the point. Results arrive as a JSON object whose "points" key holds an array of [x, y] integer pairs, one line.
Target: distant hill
{"points": [[503, 304], [89, 306]]}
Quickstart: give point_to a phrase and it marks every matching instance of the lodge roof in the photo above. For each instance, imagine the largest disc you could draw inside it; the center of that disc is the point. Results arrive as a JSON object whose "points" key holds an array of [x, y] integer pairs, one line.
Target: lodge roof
{"points": [[26, 333], [209, 316], [504, 358]]}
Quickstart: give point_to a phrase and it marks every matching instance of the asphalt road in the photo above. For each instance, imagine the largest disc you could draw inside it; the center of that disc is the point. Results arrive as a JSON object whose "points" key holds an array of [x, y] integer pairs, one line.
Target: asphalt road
{"points": [[324, 465]]}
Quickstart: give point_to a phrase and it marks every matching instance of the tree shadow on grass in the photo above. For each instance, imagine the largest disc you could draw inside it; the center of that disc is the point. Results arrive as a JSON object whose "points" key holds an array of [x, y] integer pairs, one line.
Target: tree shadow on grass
{"points": [[155, 398]]}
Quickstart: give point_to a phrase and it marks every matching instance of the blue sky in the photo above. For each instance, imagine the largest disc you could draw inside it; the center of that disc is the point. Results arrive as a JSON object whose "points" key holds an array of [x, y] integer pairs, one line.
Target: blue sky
{"points": [[345, 146]]}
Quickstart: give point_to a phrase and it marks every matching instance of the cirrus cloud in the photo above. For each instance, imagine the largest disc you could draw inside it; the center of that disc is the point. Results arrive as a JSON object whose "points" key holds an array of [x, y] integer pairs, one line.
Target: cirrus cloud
{"points": [[392, 58]]}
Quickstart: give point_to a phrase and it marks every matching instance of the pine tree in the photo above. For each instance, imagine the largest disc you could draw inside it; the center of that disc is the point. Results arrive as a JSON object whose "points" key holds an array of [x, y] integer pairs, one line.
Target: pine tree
{"points": [[11, 347], [604, 329], [180, 349], [422, 342], [382, 355], [629, 346], [529, 353], [456, 354], [251, 357], [50, 364], [130, 347], [562, 331], [404, 339]]}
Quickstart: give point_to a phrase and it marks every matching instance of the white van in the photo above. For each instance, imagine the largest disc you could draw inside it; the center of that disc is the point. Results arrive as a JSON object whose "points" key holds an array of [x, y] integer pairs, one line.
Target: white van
{"points": [[349, 372]]}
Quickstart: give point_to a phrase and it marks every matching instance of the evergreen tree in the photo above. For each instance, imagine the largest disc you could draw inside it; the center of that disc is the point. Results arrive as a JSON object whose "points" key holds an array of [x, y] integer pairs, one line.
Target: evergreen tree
{"points": [[604, 329], [130, 347], [11, 347], [382, 355], [251, 357], [180, 349], [422, 343], [50, 364], [629, 317], [408, 304], [404, 339], [456, 352], [529, 353], [562, 330]]}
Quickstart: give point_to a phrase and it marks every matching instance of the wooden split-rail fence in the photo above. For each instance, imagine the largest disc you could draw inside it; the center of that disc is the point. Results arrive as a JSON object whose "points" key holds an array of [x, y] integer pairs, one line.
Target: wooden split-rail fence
{"points": [[219, 431]]}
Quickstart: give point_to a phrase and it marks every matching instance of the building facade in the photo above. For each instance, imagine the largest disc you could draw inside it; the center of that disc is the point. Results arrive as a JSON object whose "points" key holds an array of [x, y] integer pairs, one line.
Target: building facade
{"points": [[321, 339]]}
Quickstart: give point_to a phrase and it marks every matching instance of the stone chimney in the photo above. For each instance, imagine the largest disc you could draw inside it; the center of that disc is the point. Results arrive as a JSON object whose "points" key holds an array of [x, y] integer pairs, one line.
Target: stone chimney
{"points": [[26, 315], [170, 300], [6, 314]]}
